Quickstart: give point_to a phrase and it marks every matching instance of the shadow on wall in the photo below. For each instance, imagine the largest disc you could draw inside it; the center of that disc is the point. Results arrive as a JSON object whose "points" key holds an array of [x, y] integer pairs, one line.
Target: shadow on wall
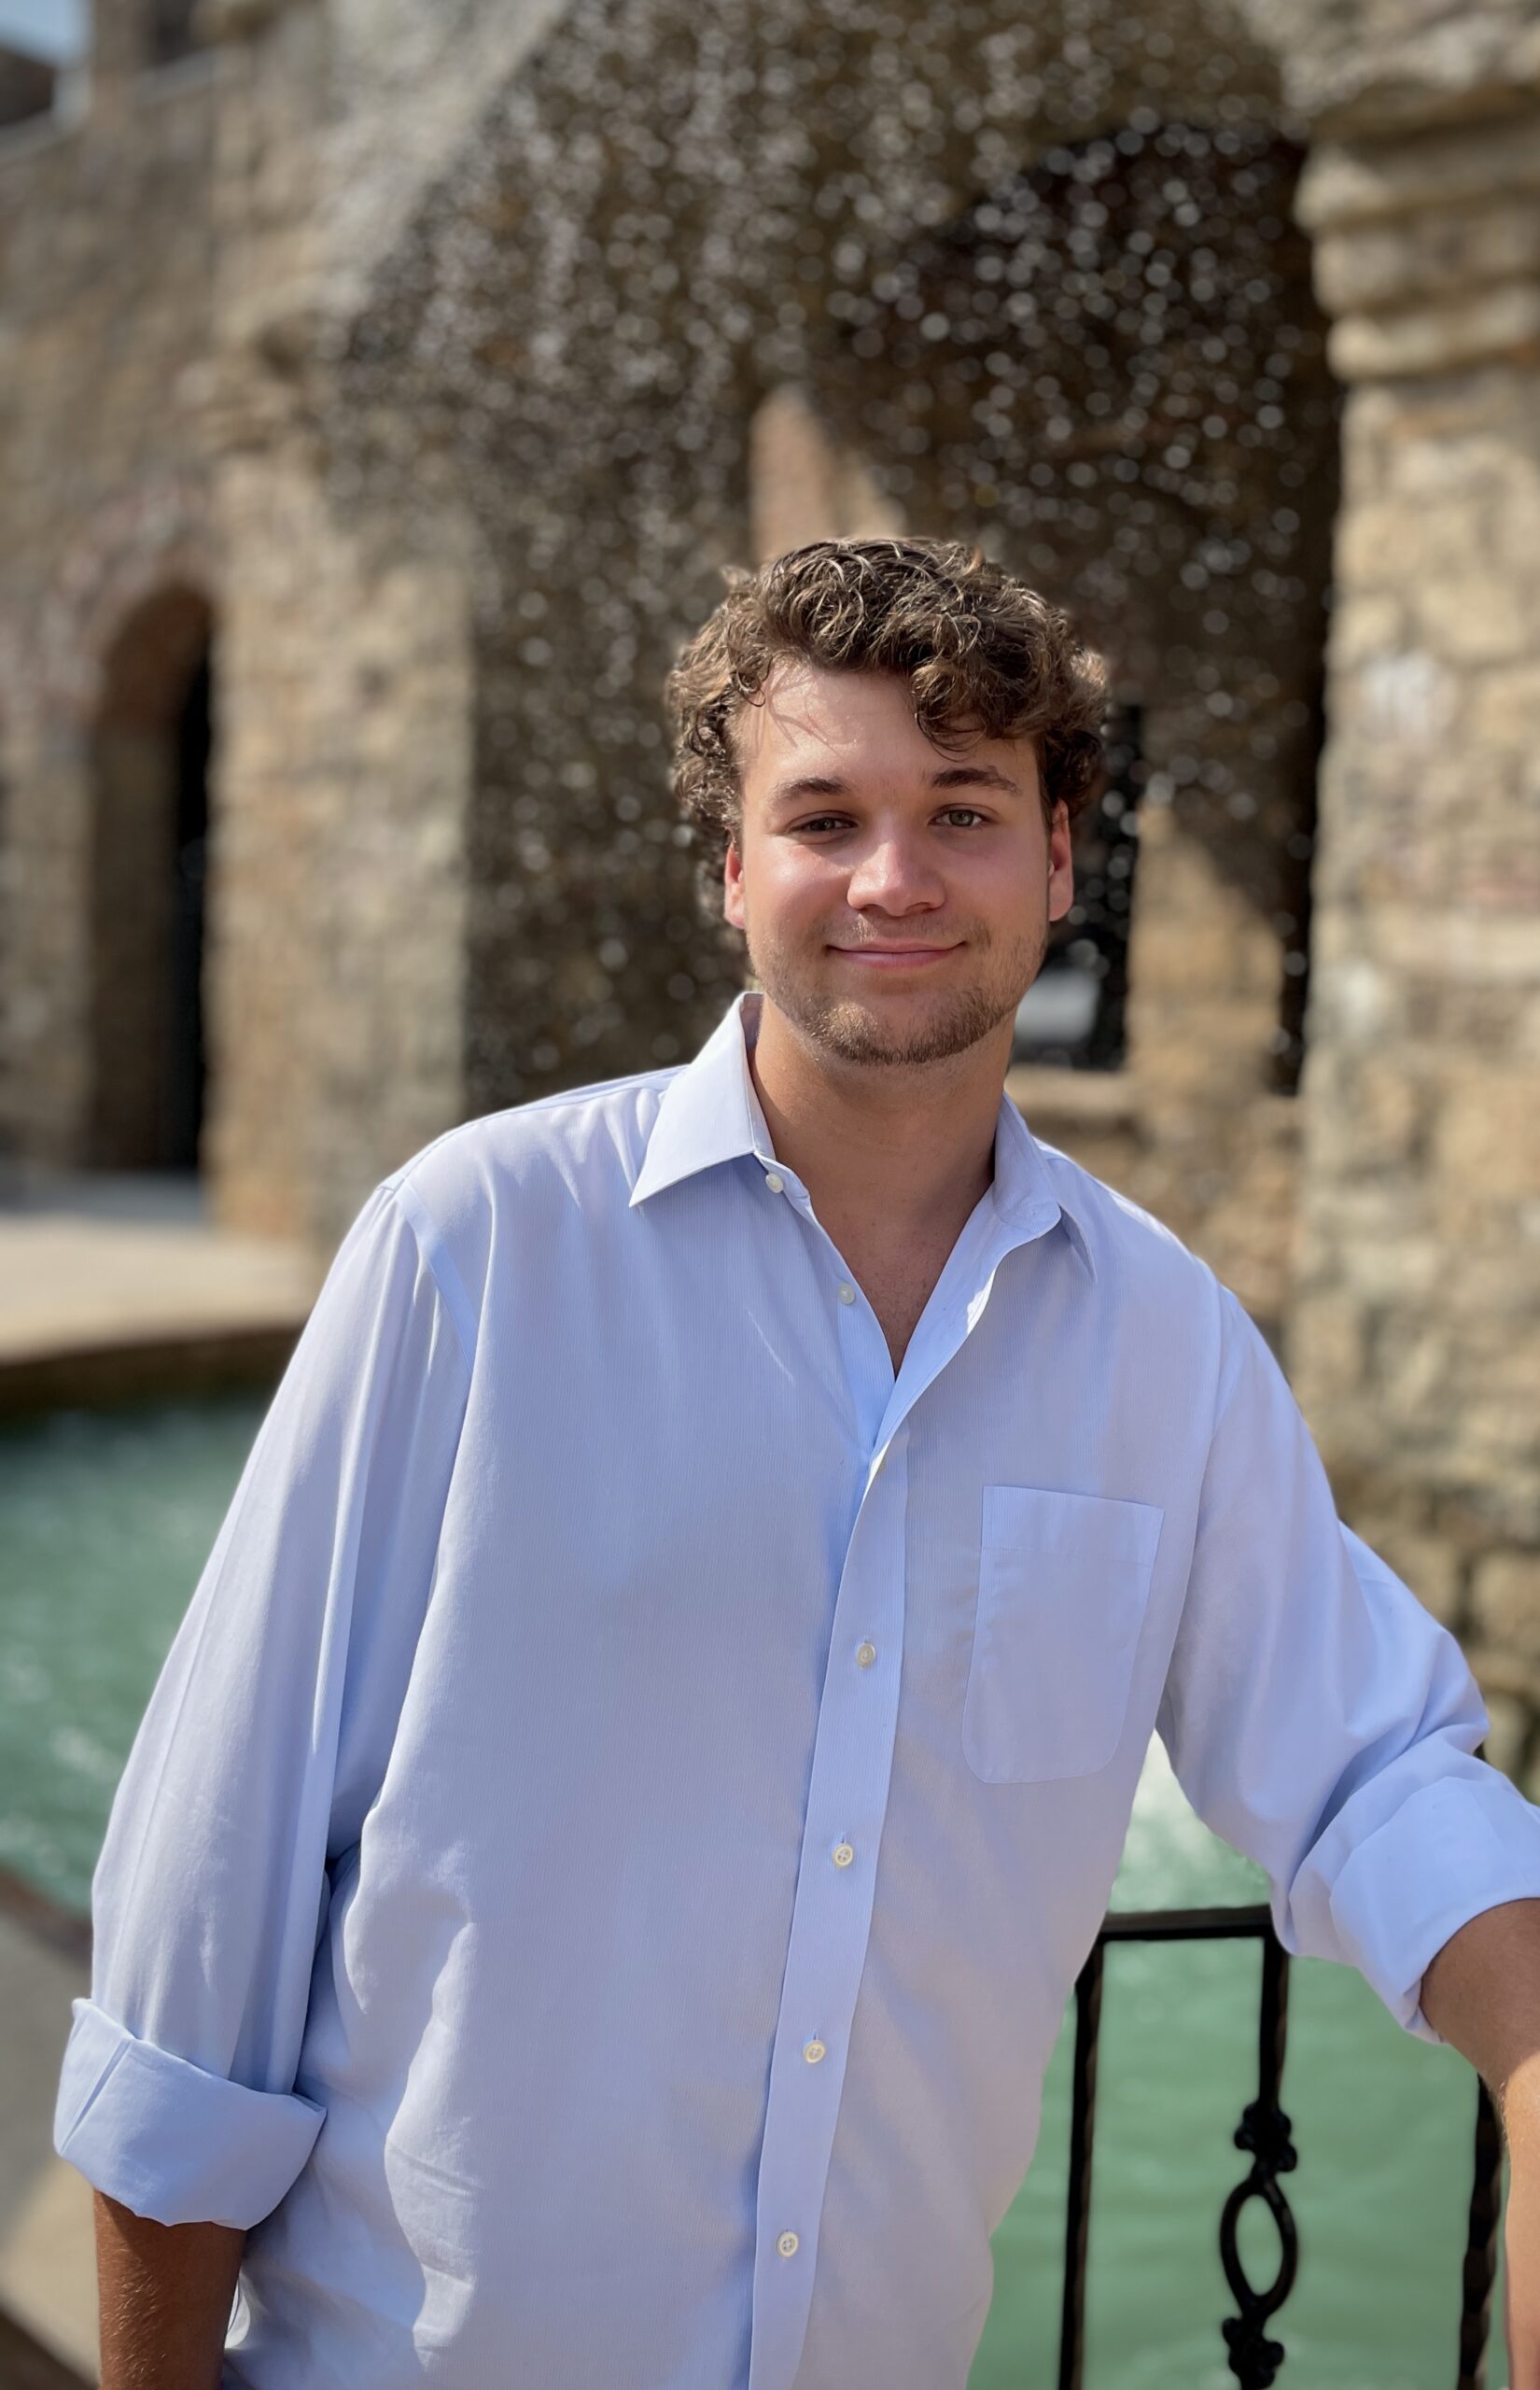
{"points": [[150, 755]]}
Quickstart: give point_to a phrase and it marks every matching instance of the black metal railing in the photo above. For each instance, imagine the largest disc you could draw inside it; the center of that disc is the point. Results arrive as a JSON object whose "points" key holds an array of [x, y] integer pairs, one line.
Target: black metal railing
{"points": [[1255, 2357]]}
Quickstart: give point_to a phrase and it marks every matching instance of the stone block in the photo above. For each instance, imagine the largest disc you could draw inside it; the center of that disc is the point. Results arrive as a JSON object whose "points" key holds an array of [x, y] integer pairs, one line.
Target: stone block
{"points": [[1367, 624], [1510, 1720], [1429, 1564], [1378, 546], [1487, 1133], [1506, 1603], [1437, 169], [1328, 1349], [1383, 266], [1474, 614]]}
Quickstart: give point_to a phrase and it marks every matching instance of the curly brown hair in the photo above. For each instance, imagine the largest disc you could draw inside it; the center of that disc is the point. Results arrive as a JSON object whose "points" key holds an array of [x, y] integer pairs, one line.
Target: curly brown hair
{"points": [[983, 655]]}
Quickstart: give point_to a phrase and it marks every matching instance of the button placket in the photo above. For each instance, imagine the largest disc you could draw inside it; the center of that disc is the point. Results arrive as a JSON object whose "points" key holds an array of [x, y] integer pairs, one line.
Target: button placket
{"points": [[831, 1924]]}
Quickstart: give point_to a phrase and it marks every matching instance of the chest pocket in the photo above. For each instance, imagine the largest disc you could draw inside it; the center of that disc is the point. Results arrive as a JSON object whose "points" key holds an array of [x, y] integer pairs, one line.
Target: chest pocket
{"points": [[1063, 1581]]}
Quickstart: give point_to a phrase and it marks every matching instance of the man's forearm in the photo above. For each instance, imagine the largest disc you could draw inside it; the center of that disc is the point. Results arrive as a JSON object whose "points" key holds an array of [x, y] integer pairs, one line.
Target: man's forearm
{"points": [[166, 2293], [1483, 1992], [1482, 1995]]}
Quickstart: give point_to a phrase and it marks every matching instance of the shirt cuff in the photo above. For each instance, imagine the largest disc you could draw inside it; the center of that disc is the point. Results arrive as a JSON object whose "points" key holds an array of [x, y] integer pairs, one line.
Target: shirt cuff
{"points": [[1455, 1848], [169, 2141]]}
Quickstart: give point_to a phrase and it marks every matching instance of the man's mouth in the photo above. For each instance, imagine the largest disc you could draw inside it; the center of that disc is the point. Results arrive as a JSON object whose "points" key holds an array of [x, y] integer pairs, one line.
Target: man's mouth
{"points": [[895, 957]]}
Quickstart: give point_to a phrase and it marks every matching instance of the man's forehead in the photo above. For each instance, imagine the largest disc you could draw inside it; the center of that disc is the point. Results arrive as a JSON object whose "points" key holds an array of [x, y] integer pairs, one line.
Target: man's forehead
{"points": [[807, 711]]}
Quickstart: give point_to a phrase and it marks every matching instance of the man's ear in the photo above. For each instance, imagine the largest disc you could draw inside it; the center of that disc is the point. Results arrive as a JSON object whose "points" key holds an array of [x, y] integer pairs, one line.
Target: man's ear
{"points": [[1060, 836], [732, 887]]}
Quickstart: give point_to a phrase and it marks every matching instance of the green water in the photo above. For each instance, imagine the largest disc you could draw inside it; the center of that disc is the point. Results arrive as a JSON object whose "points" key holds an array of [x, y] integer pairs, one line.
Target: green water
{"points": [[105, 1520]]}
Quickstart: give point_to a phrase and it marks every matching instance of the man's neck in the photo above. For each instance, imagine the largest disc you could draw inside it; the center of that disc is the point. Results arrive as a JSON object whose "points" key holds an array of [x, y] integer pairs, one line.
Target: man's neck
{"points": [[893, 1150]]}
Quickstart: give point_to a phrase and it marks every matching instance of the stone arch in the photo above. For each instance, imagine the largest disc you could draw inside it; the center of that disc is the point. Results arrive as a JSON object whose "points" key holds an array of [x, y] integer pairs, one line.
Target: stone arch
{"points": [[149, 748], [152, 535], [171, 32], [1111, 368], [669, 215]]}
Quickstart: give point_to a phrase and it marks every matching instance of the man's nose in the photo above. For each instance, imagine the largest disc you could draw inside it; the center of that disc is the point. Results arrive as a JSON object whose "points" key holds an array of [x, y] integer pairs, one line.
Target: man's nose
{"points": [[894, 873]]}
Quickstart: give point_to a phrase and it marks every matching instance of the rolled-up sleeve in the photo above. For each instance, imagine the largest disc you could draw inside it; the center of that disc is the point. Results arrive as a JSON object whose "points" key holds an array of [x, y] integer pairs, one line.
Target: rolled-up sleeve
{"points": [[263, 1744], [1318, 1719]]}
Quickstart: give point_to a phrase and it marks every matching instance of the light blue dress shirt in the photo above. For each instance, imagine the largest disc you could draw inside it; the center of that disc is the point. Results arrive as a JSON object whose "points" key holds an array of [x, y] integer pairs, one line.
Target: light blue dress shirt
{"points": [[596, 1884]]}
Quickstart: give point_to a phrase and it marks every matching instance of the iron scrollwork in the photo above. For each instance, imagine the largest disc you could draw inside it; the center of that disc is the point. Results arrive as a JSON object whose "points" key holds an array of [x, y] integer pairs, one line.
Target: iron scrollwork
{"points": [[1264, 2132]]}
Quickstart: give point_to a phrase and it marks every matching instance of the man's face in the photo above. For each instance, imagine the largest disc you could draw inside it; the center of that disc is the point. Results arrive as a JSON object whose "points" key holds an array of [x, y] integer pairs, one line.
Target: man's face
{"points": [[896, 899]]}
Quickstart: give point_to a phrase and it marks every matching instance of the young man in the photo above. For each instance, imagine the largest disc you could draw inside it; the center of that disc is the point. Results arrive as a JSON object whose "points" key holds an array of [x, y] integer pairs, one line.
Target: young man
{"points": [[593, 1892]]}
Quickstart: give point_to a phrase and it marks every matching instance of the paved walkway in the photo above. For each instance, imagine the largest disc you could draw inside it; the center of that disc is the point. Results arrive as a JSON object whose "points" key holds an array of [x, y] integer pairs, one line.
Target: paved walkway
{"points": [[108, 1287], [48, 2263], [87, 1261]]}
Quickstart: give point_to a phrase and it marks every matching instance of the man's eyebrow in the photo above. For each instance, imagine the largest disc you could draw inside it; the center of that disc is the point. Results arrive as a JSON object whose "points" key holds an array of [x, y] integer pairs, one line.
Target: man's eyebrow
{"points": [[974, 775], [790, 792], [807, 784]]}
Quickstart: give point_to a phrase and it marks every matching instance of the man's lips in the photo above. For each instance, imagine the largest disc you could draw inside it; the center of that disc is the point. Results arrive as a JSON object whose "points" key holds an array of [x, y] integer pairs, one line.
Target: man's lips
{"points": [[895, 957]]}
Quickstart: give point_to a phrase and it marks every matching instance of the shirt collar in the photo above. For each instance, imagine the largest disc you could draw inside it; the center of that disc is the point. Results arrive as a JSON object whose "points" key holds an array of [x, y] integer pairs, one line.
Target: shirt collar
{"points": [[710, 1113]]}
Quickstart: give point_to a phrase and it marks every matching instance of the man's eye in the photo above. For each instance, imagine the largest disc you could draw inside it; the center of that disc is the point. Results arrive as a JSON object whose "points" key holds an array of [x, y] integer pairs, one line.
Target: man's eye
{"points": [[840, 820]]}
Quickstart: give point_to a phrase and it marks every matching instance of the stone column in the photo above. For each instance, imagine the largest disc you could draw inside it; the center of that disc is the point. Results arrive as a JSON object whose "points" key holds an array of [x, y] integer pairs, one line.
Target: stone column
{"points": [[804, 484], [1414, 1335], [338, 851], [337, 929]]}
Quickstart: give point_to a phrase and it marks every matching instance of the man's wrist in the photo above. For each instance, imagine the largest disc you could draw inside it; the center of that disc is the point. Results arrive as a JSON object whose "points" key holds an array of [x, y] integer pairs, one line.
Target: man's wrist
{"points": [[1518, 2105]]}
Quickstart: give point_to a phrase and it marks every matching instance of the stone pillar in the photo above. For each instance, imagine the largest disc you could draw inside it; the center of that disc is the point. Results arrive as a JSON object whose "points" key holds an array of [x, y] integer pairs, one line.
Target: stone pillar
{"points": [[337, 915], [337, 901], [1414, 1334], [804, 484]]}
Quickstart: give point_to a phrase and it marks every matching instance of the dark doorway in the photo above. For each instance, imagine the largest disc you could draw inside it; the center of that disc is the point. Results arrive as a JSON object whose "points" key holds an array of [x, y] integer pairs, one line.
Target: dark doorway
{"points": [[151, 756], [182, 1109]]}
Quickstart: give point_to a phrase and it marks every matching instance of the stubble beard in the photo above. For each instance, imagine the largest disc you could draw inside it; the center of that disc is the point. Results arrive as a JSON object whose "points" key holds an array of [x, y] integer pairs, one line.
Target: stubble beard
{"points": [[848, 1031]]}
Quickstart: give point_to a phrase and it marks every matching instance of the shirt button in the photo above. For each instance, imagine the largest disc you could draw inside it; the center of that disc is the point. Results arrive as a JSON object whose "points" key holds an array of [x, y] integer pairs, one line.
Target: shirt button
{"points": [[847, 1292], [843, 1854], [815, 2050], [865, 1654], [789, 2244], [774, 1180]]}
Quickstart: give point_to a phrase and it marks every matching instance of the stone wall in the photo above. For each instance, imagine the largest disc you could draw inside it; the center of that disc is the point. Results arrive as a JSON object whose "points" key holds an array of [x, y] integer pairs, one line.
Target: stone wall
{"points": [[107, 262], [1414, 1336], [336, 986], [172, 265], [668, 218]]}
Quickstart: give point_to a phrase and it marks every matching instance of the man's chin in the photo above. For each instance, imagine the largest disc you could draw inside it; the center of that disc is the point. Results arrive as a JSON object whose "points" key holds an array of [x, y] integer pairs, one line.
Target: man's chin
{"points": [[897, 1033]]}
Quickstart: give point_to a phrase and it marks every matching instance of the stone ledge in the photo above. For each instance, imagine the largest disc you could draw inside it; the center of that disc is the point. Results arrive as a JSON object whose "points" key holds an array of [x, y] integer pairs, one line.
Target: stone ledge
{"points": [[1505, 1673], [65, 1929], [1350, 184], [166, 1369], [1480, 328], [1084, 1099], [25, 2364], [1471, 64]]}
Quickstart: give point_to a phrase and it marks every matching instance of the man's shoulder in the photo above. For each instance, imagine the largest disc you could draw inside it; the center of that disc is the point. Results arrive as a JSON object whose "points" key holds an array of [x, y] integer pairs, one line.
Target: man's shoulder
{"points": [[588, 1140], [1129, 1246]]}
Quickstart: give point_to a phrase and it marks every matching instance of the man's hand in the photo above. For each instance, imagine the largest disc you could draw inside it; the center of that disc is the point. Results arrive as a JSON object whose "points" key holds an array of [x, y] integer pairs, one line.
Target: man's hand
{"points": [[1521, 2227], [1482, 1995], [166, 2293]]}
